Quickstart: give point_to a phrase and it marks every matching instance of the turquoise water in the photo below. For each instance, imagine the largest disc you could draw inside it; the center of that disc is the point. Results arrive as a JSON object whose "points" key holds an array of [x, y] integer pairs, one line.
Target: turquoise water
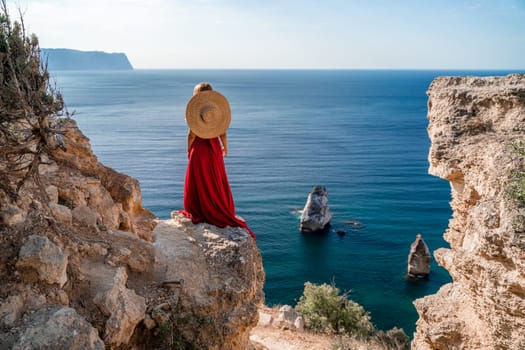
{"points": [[362, 134]]}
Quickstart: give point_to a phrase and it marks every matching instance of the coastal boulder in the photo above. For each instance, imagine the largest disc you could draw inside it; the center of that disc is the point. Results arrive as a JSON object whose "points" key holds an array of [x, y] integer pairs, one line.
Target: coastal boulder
{"points": [[216, 277], [41, 256], [419, 259], [288, 318], [316, 214], [58, 327], [123, 306]]}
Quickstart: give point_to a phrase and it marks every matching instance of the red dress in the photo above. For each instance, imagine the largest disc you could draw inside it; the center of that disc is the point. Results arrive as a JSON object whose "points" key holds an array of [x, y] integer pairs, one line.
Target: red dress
{"points": [[207, 194]]}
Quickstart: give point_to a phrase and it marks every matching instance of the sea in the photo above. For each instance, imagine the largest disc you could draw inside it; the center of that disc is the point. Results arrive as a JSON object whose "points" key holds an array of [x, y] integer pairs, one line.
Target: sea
{"points": [[360, 133]]}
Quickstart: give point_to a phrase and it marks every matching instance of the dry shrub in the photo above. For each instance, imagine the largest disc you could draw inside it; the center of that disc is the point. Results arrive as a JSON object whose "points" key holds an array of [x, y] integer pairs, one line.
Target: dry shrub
{"points": [[28, 105]]}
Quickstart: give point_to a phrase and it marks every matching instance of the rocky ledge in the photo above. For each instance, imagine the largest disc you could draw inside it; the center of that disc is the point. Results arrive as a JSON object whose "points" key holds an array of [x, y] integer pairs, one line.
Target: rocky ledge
{"points": [[219, 277], [477, 129], [85, 266]]}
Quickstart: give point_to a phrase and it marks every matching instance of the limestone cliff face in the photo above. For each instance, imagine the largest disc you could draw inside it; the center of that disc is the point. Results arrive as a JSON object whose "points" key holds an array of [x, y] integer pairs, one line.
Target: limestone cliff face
{"points": [[477, 129], [84, 266]]}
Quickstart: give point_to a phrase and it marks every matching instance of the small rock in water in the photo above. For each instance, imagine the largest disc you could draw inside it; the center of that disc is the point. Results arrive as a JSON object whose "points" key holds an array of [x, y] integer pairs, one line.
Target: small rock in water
{"points": [[341, 232], [316, 214], [418, 259]]}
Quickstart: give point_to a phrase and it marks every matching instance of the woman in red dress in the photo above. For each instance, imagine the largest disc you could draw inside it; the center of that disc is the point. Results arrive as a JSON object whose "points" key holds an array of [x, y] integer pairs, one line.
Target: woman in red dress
{"points": [[207, 193]]}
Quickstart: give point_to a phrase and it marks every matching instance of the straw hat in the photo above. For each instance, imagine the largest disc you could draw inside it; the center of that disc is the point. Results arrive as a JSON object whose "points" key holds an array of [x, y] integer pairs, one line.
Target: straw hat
{"points": [[208, 114]]}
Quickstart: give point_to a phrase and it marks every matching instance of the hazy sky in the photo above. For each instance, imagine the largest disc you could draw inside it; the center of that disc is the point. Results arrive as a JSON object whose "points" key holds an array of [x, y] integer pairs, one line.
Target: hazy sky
{"points": [[466, 34]]}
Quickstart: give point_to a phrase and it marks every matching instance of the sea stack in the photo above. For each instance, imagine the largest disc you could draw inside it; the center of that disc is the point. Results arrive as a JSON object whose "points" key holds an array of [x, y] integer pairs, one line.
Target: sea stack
{"points": [[316, 214], [418, 259]]}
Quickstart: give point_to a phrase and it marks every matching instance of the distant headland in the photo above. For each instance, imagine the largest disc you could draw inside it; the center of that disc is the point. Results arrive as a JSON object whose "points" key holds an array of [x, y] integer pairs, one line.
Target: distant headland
{"points": [[68, 59]]}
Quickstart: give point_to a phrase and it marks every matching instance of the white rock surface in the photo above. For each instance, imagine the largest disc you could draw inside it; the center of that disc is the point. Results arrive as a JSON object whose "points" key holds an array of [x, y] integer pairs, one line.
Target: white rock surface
{"points": [[316, 213], [123, 306]]}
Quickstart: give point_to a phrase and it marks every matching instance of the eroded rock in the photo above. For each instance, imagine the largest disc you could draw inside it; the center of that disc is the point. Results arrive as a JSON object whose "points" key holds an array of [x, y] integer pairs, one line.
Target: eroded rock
{"points": [[61, 213], [419, 259], [42, 256], [58, 327], [85, 216], [12, 215], [219, 277], [316, 214], [10, 310], [123, 306], [476, 126], [82, 182], [52, 193], [288, 318]]}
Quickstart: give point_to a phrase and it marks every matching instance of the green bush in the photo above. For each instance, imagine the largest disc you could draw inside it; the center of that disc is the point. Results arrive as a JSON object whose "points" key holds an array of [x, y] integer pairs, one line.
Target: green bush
{"points": [[324, 308]]}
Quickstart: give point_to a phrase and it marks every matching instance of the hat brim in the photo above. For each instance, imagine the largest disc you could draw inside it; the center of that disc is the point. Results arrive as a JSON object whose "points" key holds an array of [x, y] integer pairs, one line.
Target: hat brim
{"points": [[201, 121]]}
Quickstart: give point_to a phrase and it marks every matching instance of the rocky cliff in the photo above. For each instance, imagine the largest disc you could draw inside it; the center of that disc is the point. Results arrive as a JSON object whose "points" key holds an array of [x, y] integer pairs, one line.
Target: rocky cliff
{"points": [[85, 266], [477, 129]]}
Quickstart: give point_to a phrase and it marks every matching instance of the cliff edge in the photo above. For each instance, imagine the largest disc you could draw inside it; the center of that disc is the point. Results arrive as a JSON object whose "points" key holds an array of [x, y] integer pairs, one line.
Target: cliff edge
{"points": [[84, 266], [477, 130]]}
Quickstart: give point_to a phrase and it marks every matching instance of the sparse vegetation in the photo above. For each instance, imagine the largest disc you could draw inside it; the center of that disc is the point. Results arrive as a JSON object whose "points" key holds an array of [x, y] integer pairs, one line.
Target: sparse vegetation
{"points": [[394, 339], [28, 105], [326, 309]]}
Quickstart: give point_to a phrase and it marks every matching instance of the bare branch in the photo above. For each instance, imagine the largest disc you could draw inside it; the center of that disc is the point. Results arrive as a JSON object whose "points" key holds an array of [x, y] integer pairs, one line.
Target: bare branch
{"points": [[29, 104]]}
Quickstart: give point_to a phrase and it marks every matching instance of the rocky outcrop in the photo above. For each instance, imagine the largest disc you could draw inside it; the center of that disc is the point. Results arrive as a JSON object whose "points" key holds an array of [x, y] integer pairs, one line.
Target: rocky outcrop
{"points": [[316, 214], [217, 278], [418, 259], [81, 269], [58, 327], [12, 215], [123, 306], [74, 187], [477, 129], [42, 257], [97, 195]]}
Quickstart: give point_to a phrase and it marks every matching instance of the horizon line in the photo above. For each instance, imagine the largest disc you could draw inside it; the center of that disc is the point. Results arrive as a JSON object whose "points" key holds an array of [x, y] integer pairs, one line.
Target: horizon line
{"points": [[336, 68]]}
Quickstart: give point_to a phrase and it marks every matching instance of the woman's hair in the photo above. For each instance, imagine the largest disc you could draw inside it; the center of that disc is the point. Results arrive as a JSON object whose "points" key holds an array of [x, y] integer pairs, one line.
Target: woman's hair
{"points": [[204, 86]]}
